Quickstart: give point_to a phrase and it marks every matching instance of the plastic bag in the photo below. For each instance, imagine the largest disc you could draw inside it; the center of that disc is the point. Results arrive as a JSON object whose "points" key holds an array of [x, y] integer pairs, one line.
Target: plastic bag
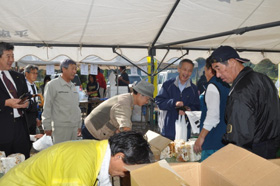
{"points": [[43, 143], [181, 128], [194, 118], [6, 163]]}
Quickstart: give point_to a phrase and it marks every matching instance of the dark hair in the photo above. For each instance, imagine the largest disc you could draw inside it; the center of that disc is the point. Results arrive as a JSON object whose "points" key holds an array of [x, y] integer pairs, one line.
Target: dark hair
{"points": [[208, 65], [135, 148], [123, 67], [47, 78], [28, 68], [185, 61], [134, 92], [93, 76], [5, 46], [66, 63]]}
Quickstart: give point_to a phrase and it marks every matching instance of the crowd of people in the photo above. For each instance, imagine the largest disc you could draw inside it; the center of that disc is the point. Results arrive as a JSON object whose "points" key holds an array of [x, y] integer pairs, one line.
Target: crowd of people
{"points": [[238, 105]]}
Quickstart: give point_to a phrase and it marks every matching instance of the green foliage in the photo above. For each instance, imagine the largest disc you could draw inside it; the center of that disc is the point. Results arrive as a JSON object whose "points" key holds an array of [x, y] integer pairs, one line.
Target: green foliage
{"points": [[84, 85], [249, 65], [268, 68], [105, 74], [83, 78]]}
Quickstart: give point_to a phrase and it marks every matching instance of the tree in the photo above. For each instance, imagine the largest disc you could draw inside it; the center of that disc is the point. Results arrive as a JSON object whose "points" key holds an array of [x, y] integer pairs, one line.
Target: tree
{"points": [[268, 68]]}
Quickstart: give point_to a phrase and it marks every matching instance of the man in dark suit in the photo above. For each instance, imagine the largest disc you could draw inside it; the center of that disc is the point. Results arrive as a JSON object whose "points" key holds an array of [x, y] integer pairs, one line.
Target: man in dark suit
{"points": [[31, 113], [14, 137], [31, 74]]}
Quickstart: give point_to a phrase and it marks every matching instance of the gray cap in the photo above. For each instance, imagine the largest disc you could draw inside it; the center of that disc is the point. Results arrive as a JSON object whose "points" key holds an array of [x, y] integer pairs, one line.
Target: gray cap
{"points": [[145, 88]]}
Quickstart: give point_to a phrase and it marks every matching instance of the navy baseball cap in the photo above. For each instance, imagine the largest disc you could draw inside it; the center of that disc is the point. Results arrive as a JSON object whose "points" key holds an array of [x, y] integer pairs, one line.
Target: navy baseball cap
{"points": [[224, 53]]}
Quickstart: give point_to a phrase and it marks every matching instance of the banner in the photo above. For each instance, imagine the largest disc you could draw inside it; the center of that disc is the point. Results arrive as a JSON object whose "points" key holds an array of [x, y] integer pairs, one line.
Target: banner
{"points": [[49, 69], [84, 69], [93, 69]]}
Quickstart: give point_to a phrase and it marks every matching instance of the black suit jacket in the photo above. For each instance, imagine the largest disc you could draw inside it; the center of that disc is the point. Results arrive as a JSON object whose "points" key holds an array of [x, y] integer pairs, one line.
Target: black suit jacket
{"points": [[6, 113], [31, 114]]}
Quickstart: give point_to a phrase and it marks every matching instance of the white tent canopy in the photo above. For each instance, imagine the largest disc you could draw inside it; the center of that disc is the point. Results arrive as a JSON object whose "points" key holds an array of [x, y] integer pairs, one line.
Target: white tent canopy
{"points": [[95, 60], [79, 29]]}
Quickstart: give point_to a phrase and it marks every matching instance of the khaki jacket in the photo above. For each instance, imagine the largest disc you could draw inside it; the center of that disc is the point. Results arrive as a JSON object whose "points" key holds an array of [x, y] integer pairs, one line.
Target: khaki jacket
{"points": [[61, 105], [109, 116]]}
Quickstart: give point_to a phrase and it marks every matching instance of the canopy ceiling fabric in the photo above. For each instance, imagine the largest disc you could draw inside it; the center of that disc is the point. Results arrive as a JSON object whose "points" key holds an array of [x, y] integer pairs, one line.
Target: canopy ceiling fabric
{"points": [[117, 61], [136, 24]]}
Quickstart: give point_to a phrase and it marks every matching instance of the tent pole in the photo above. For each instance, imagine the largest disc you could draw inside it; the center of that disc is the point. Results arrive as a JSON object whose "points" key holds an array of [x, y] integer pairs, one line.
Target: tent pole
{"points": [[238, 31], [166, 21], [156, 71], [278, 79], [140, 47], [152, 53], [171, 63], [130, 62]]}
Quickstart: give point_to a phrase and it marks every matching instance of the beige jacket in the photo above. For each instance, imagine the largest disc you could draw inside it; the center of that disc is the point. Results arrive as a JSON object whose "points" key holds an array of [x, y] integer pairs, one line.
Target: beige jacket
{"points": [[61, 105], [109, 116]]}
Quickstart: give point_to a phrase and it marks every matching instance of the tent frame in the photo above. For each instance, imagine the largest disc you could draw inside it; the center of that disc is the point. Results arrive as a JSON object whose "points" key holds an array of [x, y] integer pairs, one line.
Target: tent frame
{"points": [[168, 46]]}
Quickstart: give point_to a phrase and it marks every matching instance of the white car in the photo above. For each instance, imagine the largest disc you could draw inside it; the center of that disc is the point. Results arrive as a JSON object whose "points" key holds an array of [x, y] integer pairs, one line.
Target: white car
{"points": [[166, 75], [133, 79]]}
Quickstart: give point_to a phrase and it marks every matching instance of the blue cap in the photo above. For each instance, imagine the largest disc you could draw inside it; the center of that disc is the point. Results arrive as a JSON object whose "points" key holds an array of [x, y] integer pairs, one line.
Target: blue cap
{"points": [[224, 53]]}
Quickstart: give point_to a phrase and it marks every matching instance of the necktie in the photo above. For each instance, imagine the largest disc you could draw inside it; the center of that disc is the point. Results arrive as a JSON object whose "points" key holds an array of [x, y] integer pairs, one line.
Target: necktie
{"points": [[33, 91], [11, 88]]}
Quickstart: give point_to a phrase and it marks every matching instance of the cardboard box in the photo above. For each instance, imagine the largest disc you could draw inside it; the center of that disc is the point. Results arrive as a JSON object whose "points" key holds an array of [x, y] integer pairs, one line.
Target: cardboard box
{"points": [[155, 174], [230, 166], [275, 161], [157, 142]]}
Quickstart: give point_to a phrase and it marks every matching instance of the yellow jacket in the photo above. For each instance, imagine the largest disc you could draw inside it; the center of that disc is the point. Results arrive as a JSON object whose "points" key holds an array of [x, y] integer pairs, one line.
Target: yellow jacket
{"points": [[69, 163]]}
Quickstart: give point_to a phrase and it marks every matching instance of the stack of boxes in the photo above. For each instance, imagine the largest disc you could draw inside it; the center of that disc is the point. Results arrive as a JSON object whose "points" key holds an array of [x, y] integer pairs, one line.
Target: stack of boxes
{"points": [[230, 166]]}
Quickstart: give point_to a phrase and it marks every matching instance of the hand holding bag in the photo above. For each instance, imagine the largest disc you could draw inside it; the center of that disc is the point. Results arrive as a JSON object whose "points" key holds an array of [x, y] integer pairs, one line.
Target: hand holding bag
{"points": [[43, 143]]}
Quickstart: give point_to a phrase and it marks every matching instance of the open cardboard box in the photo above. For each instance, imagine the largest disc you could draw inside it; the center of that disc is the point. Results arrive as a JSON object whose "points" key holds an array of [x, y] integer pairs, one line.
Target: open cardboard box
{"points": [[155, 174], [157, 142], [229, 166]]}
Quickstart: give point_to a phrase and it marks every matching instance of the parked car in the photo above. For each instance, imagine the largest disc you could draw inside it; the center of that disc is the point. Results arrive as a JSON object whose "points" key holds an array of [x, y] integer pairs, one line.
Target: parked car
{"points": [[166, 75], [133, 79]]}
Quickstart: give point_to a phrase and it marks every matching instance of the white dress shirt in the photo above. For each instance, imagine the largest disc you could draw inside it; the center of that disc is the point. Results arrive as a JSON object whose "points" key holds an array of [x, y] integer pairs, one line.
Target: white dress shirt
{"points": [[30, 89], [104, 177]]}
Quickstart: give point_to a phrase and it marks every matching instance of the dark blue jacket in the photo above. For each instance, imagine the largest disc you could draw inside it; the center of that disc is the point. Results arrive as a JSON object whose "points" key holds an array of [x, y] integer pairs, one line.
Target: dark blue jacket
{"points": [[168, 96], [213, 140]]}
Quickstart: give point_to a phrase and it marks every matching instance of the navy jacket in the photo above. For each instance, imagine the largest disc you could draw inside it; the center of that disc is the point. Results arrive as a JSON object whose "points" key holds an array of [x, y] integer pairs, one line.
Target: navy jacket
{"points": [[213, 140], [166, 100]]}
